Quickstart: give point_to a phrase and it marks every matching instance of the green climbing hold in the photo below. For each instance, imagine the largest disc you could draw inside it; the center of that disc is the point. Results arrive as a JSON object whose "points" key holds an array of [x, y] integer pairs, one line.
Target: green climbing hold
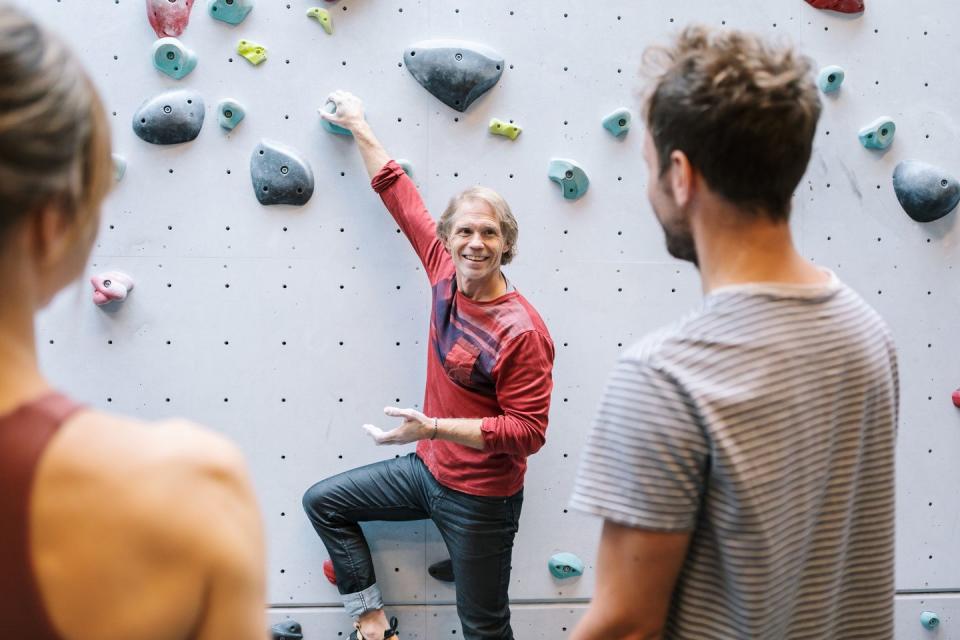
{"points": [[929, 620], [172, 58], [878, 134], [506, 129], [119, 167], [252, 51], [830, 78], [570, 176], [618, 122], [331, 107], [565, 565], [230, 11], [230, 113], [406, 166], [323, 17]]}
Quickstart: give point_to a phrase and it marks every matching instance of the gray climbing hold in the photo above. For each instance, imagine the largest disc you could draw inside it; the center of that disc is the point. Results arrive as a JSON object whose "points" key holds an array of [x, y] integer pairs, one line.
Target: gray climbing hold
{"points": [[170, 118], [929, 620], [230, 11], [173, 58], [570, 176], [331, 107], [280, 175], [565, 565], [230, 113], [830, 78], [456, 72], [878, 134], [442, 571], [925, 192], [286, 630], [119, 167], [406, 166], [618, 122]]}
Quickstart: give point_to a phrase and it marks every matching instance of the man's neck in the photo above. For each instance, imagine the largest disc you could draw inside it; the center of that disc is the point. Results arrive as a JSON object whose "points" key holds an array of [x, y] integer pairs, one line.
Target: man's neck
{"points": [[489, 288]]}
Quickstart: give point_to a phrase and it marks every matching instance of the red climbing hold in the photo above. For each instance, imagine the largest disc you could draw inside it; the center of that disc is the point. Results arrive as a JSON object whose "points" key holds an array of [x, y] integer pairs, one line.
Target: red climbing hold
{"points": [[328, 571], [169, 17], [843, 6], [956, 398]]}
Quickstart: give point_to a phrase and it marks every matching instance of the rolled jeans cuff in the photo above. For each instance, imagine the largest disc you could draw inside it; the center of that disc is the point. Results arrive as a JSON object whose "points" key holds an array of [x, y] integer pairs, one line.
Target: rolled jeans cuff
{"points": [[359, 603]]}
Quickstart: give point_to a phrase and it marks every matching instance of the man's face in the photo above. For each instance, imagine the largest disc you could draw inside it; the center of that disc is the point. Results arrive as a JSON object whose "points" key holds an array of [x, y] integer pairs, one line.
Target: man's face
{"points": [[674, 220], [476, 242]]}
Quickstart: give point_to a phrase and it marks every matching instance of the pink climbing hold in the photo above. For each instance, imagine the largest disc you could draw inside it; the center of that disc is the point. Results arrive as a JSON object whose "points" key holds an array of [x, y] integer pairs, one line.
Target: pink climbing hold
{"points": [[169, 17], [329, 572], [110, 286], [956, 398], [842, 6]]}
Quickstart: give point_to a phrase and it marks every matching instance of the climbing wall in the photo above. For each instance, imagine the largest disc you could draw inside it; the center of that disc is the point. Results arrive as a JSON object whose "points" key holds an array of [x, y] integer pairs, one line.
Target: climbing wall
{"points": [[288, 327]]}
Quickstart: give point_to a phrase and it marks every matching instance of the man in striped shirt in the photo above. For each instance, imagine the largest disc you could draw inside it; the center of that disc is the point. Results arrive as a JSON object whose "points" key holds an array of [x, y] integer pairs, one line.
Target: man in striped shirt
{"points": [[743, 458]]}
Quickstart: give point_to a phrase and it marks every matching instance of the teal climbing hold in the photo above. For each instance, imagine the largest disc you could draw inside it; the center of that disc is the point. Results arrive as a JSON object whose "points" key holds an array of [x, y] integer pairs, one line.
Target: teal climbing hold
{"points": [[406, 166], [878, 134], [331, 107], [172, 58], [230, 11], [119, 167], [830, 78], [929, 620], [323, 17], [565, 565], [570, 176], [618, 122], [230, 113]]}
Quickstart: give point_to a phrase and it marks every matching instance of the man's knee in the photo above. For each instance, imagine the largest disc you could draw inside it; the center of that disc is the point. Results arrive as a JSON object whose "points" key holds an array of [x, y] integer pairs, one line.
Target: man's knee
{"points": [[315, 501]]}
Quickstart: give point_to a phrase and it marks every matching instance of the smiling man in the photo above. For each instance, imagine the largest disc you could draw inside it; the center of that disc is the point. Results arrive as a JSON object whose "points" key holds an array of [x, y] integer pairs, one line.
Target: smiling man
{"points": [[489, 378]]}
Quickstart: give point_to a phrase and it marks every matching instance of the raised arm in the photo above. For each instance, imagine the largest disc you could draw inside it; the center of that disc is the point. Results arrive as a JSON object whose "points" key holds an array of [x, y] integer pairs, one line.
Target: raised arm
{"points": [[349, 115]]}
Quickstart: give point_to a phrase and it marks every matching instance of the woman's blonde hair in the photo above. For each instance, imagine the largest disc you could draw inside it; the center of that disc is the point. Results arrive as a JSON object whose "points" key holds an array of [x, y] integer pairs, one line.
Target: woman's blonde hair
{"points": [[54, 136], [508, 224]]}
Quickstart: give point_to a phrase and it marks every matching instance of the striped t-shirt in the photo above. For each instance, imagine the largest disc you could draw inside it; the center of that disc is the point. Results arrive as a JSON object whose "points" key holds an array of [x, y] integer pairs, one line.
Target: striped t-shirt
{"points": [[764, 424]]}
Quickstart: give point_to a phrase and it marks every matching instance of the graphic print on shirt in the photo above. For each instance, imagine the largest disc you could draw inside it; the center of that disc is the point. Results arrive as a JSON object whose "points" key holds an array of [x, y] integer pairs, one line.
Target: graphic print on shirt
{"points": [[468, 353]]}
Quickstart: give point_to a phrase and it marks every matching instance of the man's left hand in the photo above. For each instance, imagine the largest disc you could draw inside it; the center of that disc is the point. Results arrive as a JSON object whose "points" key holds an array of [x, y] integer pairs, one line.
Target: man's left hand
{"points": [[416, 426]]}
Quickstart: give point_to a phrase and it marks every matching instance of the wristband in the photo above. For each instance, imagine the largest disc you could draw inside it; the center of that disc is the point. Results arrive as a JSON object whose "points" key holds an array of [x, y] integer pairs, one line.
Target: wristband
{"points": [[435, 429]]}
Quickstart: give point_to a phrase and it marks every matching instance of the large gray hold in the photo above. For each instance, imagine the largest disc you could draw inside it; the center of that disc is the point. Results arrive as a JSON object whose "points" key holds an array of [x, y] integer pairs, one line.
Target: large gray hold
{"points": [[286, 630], [454, 71], [170, 118], [925, 192], [280, 175]]}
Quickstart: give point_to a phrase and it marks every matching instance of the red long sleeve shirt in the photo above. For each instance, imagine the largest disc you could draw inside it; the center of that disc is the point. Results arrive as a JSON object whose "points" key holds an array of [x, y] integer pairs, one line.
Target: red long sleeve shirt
{"points": [[491, 360]]}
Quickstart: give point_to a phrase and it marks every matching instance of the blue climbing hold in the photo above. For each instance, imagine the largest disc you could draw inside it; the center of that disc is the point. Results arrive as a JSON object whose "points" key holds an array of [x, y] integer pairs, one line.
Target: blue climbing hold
{"points": [[455, 72], [406, 166], [565, 565], [171, 117], [331, 107], [925, 192], [830, 78], [878, 134], [230, 11], [618, 122], [929, 620], [280, 175], [119, 167], [230, 113], [570, 176], [172, 58]]}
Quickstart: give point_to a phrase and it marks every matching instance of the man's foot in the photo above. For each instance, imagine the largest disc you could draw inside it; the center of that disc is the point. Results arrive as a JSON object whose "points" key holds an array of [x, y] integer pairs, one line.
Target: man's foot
{"points": [[442, 570], [391, 632]]}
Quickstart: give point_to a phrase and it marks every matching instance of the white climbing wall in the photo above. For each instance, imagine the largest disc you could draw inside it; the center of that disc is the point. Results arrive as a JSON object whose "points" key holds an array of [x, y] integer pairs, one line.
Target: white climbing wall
{"points": [[286, 328]]}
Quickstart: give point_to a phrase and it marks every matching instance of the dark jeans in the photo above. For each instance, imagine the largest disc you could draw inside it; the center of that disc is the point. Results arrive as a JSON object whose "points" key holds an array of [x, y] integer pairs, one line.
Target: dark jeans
{"points": [[478, 532]]}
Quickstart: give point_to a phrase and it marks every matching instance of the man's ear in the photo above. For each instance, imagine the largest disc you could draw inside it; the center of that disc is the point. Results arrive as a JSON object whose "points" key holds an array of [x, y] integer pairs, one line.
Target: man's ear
{"points": [[682, 177]]}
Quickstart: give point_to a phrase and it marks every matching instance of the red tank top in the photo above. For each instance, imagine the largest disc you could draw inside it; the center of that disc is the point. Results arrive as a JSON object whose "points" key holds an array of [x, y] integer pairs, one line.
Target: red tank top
{"points": [[24, 435]]}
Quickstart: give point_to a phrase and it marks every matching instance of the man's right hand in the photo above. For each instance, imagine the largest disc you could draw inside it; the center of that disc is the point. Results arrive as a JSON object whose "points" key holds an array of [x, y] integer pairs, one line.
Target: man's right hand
{"points": [[349, 112]]}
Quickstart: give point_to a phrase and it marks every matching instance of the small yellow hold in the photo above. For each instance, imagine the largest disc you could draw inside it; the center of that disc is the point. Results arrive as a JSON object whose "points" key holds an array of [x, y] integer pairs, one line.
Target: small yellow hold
{"points": [[500, 128], [252, 51], [323, 17]]}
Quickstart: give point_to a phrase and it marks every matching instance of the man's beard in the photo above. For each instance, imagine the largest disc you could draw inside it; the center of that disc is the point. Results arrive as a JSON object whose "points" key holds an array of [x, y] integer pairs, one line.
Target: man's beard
{"points": [[680, 245]]}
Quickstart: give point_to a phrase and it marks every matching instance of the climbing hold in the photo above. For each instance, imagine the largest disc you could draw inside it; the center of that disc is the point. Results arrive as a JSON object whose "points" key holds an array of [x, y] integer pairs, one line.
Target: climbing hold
{"points": [[169, 17], [442, 571], [230, 11], [170, 118], [252, 51], [925, 192], [323, 17], [507, 129], [329, 573], [570, 176], [280, 175], [843, 6], [406, 166], [286, 630], [956, 398], [119, 166], [618, 122], [830, 78], [110, 286], [331, 107], [878, 134], [172, 58], [230, 113], [456, 72], [929, 619], [565, 565]]}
